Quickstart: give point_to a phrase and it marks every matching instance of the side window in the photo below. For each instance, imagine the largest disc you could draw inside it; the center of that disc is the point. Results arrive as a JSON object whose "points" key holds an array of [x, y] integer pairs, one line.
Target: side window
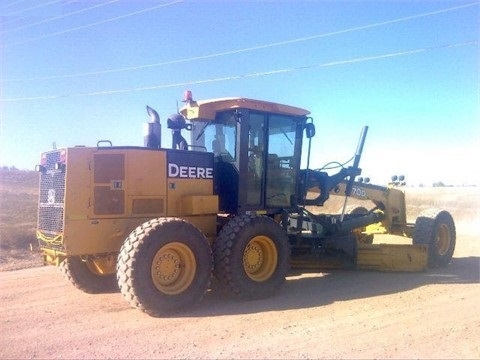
{"points": [[219, 136], [220, 139]]}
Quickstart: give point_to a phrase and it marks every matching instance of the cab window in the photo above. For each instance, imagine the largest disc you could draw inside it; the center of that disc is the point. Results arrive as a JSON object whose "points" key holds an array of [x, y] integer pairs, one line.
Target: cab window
{"points": [[218, 136]]}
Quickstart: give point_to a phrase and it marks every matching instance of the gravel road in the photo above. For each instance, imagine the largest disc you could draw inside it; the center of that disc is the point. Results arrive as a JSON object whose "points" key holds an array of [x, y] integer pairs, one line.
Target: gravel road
{"points": [[340, 314]]}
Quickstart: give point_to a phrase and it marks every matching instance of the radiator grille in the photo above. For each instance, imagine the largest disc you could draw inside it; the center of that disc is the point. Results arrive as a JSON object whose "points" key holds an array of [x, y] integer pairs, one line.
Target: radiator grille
{"points": [[51, 199]]}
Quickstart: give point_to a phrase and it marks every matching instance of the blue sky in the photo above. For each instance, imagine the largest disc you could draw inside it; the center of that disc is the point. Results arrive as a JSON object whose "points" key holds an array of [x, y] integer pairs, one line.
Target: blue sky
{"points": [[75, 72]]}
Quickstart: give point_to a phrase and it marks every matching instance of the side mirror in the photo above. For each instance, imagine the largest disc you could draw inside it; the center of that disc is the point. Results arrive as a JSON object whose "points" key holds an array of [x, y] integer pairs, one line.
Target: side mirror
{"points": [[309, 130]]}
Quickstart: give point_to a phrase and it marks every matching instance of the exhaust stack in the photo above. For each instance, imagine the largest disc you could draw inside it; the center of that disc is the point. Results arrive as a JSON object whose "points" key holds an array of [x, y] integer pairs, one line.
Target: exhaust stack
{"points": [[153, 130]]}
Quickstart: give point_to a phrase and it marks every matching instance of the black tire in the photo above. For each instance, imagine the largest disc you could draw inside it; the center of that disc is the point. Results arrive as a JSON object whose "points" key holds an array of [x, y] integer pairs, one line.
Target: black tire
{"points": [[436, 229], [164, 266], [82, 275], [251, 257]]}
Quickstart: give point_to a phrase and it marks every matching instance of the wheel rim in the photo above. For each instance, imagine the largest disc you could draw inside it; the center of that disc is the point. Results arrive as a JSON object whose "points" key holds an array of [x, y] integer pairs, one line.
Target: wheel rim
{"points": [[173, 268], [260, 258], [443, 239]]}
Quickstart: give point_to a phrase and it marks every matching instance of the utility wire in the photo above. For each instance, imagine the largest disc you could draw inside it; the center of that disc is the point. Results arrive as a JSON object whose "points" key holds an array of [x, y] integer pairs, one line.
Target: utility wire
{"points": [[12, 4], [248, 49], [94, 24], [60, 16], [246, 76], [33, 7]]}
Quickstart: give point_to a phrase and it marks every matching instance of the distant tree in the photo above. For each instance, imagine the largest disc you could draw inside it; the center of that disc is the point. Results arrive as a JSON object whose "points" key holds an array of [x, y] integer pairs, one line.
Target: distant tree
{"points": [[438, 184]]}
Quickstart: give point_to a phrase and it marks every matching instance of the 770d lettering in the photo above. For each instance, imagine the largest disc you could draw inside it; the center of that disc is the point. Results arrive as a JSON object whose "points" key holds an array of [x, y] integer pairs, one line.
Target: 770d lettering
{"points": [[359, 192]]}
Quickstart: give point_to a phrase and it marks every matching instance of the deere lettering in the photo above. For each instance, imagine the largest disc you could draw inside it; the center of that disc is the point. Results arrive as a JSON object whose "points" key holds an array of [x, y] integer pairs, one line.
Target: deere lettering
{"points": [[189, 172]]}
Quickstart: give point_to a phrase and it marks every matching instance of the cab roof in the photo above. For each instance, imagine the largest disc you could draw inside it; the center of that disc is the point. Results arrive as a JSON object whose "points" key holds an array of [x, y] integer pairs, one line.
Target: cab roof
{"points": [[207, 109]]}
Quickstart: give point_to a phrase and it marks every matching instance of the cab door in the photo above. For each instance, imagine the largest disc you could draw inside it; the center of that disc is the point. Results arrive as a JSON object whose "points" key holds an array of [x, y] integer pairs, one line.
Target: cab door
{"points": [[282, 161], [270, 160]]}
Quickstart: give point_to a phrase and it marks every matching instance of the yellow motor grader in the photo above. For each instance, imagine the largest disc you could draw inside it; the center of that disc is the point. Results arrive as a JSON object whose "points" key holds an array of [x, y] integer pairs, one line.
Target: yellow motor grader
{"points": [[232, 203]]}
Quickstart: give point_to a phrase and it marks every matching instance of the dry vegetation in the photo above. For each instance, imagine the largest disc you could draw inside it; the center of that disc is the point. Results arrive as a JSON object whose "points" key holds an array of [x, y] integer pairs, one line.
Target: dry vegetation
{"points": [[18, 211]]}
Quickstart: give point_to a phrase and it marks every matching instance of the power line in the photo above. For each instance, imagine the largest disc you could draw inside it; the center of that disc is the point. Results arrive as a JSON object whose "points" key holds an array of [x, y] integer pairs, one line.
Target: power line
{"points": [[248, 49], [34, 7], [246, 76], [13, 20], [60, 16], [94, 24], [12, 4]]}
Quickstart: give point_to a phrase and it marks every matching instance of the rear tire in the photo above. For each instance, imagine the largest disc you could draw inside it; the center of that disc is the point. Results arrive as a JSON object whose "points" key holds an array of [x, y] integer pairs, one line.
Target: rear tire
{"points": [[81, 275], [251, 256], [436, 229], [164, 266]]}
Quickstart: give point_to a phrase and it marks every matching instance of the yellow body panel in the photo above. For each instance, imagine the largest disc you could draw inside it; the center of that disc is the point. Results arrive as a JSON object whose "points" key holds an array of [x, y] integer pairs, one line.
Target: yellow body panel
{"points": [[181, 188], [78, 175], [110, 191], [199, 204], [146, 174], [98, 236]]}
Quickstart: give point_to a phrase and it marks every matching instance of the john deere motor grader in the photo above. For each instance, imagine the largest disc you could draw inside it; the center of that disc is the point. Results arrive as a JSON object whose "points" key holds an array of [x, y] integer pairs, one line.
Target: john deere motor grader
{"points": [[157, 222]]}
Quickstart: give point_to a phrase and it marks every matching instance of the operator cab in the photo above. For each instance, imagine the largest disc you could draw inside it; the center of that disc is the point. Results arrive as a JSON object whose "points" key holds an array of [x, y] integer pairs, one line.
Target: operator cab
{"points": [[257, 150]]}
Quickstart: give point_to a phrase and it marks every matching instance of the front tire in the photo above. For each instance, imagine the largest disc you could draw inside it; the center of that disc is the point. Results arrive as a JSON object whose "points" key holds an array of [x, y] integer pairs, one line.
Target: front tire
{"points": [[82, 274], [436, 229], [164, 266], [251, 256]]}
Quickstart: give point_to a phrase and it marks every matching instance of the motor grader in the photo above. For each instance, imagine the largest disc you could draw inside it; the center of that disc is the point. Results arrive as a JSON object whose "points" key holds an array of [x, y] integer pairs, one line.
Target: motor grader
{"points": [[232, 204]]}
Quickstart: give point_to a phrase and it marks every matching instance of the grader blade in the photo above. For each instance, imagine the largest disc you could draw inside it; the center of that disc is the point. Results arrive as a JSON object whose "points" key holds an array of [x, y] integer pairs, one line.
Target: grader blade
{"points": [[392, 257]]}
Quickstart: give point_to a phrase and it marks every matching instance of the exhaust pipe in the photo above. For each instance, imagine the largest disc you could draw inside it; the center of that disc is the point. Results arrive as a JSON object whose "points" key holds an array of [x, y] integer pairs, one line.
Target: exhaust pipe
{"points": [[152, 130]]}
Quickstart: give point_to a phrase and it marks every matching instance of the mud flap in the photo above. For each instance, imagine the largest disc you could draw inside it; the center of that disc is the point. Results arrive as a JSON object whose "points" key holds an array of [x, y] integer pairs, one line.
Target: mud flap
{"points": [[392, 257]]}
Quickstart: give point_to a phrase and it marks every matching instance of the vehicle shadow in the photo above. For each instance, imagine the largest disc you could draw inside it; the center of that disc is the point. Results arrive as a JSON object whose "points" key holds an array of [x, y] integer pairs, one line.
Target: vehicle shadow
{"points": [[306, 289]]}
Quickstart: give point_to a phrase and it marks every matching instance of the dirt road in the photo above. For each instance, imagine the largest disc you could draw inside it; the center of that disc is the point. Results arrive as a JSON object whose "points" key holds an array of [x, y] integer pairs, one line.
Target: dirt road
{"points": [[340, 314]]}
